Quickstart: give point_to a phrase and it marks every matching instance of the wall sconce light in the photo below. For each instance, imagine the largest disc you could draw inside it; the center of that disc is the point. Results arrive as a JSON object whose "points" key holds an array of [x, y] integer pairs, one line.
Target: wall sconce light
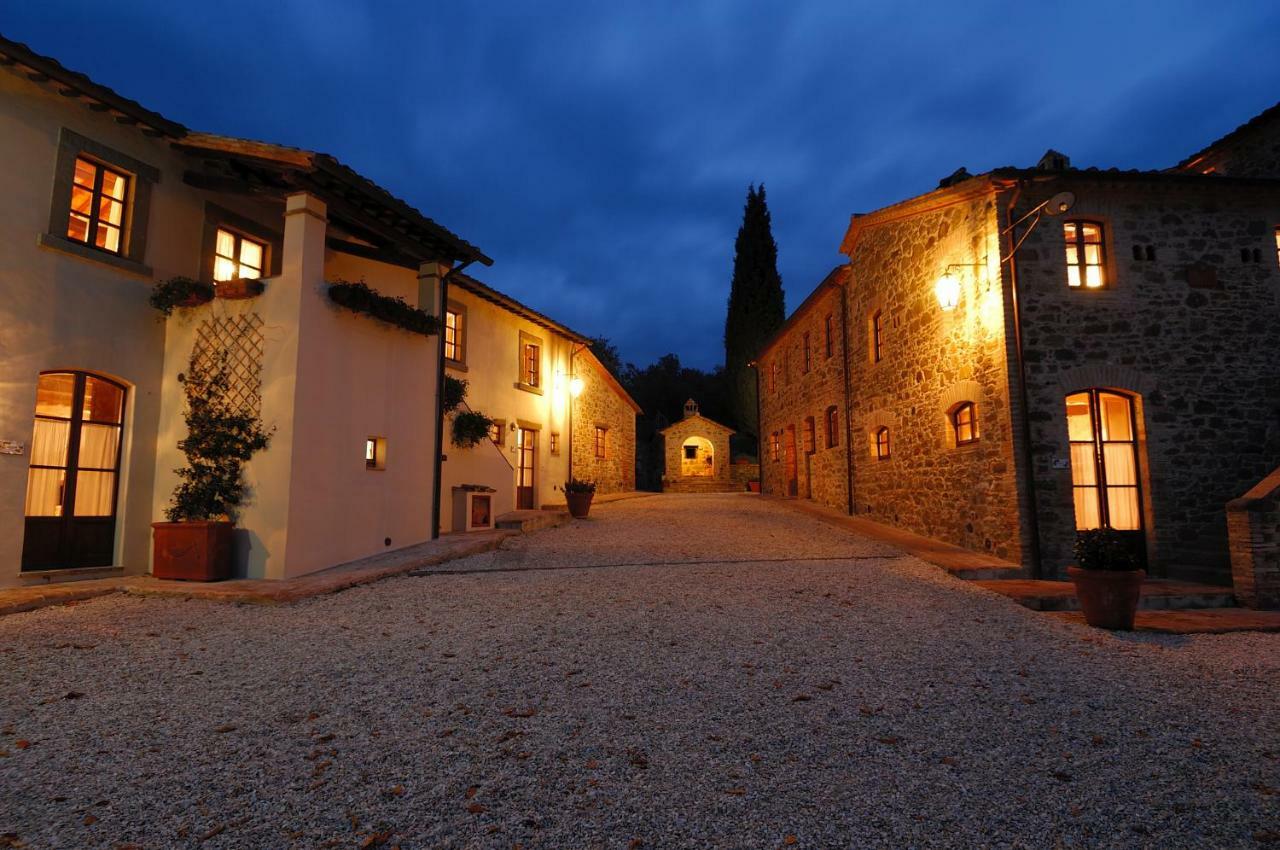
{"points": [[947, 290], [576, 386]]}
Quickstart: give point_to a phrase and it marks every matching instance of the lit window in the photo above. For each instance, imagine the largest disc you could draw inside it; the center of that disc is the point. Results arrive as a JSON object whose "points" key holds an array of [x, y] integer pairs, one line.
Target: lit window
{"points": [[1278, 244], [602, 441], [808, 355], [829, 346], [1101, 428], [810, 436], [882, 443], [877, 336], [964, 423], [530, 364], [375, 453], [1084, 254], [555, 444], [236, 256], [833, 427], [452, 335], [775, 446], [97, 206], [498, 432]]}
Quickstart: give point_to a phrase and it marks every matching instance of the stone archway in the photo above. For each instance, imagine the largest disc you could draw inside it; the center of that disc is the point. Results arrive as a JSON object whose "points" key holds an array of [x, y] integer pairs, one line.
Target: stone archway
{"points": [[697, 458]]}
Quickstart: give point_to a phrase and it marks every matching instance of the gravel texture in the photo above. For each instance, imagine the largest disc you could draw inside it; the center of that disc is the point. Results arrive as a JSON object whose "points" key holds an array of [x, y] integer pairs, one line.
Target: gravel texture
{"points": [[764, 680]]}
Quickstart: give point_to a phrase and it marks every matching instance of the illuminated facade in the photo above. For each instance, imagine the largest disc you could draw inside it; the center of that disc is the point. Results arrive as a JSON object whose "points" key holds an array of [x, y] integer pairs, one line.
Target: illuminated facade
{"points": [[1035, 351]]}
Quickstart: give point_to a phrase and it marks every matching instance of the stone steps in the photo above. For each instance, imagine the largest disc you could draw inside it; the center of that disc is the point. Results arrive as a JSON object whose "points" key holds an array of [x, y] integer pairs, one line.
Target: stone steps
{"points": [[1157, 594], [1195, 620], [526, 521]]}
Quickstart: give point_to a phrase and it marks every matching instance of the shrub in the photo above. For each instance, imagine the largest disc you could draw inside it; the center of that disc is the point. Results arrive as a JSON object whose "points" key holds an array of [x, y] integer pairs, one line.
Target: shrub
{"points": [[221, 437], [360, 298], [469, 428], [1104, 549], [455, 393], [179, 292], [579, 485]]}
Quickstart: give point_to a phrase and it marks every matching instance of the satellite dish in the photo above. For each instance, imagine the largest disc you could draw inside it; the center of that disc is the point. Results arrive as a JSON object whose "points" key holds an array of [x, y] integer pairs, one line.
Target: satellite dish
{"points": [[1060, 203]]}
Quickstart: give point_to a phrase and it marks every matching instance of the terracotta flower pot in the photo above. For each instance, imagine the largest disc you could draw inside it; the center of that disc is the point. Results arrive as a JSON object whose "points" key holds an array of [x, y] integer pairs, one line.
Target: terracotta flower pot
{"points": [[579, 504], [192, 551], [753, 486], [1108, 598]]}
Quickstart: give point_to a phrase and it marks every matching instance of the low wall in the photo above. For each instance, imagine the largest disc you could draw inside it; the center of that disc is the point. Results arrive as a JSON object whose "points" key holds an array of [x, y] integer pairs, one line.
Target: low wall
{"points": [[1253, 526]]}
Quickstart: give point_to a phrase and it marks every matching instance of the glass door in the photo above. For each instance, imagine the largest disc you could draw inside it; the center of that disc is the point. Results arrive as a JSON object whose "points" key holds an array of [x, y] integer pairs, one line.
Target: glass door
{"points": [[73, 476], [1102, 429], [527, 459]]}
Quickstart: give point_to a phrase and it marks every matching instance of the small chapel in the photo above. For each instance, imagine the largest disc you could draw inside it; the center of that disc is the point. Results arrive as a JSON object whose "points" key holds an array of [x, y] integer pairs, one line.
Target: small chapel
{"points": [[696, 451]]}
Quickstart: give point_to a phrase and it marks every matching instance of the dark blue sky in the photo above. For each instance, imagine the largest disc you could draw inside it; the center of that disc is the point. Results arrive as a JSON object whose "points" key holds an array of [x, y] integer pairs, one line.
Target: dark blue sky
{"points": [[600, 152]]}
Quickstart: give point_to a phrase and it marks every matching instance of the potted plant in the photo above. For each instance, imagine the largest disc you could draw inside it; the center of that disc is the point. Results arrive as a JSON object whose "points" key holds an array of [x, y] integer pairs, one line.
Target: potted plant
{"points": [[578, 494], [1107, 578], [195, 543], [179, 292]]}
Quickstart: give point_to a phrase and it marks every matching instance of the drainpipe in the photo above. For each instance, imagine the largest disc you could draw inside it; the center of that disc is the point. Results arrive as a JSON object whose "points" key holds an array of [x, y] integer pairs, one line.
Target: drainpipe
{"points": [[439, 459], [1032, 513], [848, 383], [755, 366]]}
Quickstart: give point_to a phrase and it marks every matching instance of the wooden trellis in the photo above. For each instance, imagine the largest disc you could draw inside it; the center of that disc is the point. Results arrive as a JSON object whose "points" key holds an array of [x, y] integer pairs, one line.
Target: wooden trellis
{"points": [[235, 341]]}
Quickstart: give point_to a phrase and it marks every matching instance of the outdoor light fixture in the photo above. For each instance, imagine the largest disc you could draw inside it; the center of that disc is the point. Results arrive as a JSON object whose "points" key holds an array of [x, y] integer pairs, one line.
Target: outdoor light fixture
{"points": [[948, 290], [576, 385]]}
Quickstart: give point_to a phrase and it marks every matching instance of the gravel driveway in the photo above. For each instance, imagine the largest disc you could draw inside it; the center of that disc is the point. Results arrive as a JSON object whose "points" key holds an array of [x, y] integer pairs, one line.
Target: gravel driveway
{"points": [[746, 676]]}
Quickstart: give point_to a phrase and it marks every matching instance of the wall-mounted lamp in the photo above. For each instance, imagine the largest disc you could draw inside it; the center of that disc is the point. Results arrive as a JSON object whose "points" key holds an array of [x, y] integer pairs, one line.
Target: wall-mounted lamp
{"points": [[576, 386], [947, 289]]}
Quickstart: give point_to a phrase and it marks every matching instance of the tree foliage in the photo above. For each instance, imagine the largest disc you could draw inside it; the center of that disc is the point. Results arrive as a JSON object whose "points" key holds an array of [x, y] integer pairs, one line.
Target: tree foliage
{"points": [[756, 308]]}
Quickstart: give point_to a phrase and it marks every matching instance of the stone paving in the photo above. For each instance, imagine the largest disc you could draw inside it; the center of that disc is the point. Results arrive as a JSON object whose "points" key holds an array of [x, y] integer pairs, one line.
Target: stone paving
{"points": [[678, 671]]}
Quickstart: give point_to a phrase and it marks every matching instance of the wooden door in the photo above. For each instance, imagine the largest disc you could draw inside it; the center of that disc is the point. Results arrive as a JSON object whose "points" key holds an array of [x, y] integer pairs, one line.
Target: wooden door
{"points": [[1102, 427], [527, 463], [793, 477], [72, 481]]}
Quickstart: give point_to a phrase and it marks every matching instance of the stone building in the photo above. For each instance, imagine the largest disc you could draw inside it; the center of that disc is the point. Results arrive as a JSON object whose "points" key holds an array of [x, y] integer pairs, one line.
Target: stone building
{"points": [[696, 454], [604, 428], [1036, 351]]}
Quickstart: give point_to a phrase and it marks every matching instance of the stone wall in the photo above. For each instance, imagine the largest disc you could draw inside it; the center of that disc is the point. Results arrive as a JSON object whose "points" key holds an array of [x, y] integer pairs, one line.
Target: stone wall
{"points": [[1193, 334], [1253, 524], [601, 405], [696, 426], [933, 360], [742, 472], [790, 395]]}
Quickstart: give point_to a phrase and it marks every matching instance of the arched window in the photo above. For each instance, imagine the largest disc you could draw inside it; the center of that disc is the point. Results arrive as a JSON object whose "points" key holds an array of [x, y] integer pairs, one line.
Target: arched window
{"points": [[1086, 267], [964, 423], [833, 427], [882, 442]]}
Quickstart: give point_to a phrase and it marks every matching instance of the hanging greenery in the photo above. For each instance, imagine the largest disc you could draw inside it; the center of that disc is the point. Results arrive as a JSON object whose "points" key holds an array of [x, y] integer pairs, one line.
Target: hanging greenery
{"points": [[221, 437], [179, 292], [358, 297], [470, 428], [455, 392]]}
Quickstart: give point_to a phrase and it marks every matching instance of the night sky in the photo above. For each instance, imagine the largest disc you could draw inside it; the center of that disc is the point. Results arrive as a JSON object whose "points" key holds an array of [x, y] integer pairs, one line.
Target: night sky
{"points": [[601, 156]]}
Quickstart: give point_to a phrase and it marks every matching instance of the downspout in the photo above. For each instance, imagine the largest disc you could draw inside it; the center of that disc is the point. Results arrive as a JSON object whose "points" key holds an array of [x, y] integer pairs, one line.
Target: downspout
{"points": [[439, 459], [848, 383], [1032, 513], [755, 365]]}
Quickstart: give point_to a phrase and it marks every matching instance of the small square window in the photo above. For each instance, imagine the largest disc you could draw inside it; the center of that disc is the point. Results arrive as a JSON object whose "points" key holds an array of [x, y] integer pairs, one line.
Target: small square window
{"points": [[555, 444], [602, 441], [453, 330], [1086, 268], [236, 256]]}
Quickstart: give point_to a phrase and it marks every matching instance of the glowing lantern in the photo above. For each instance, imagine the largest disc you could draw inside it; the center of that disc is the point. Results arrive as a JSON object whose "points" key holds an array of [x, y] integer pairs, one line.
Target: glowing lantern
{"points": [[948, 291], [575, 387]]}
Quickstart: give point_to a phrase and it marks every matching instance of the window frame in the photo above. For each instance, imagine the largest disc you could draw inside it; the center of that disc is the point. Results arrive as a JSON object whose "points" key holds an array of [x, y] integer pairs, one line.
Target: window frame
{"points": [[141, 177], [1078, 248], [553, 444], [954, 418], [459, 360], [808, 353], [220, 218], [93, 222], [378, 462], [601, 442], [810, 438], [831, 420], [239, 237], [528, 340], [882, 443], [829, 347], [775, 446]]}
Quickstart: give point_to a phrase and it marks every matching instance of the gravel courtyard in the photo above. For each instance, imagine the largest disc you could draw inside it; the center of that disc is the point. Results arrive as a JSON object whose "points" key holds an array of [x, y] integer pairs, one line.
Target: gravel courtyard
{"points": [[742, 676]]}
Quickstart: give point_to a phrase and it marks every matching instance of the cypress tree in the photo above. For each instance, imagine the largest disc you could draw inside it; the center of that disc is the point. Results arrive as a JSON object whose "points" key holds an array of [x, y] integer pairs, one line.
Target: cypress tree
{"points": [[756, 307]]}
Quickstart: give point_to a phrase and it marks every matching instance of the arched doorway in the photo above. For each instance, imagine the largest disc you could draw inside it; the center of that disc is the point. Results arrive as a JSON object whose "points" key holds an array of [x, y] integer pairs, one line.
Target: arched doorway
{"points": [[74, 472], [697, 458]]}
